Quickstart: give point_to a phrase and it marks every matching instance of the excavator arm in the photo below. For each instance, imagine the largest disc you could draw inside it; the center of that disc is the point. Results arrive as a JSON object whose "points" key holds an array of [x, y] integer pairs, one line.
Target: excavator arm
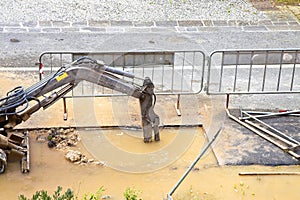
{"points": [[14, 108]]}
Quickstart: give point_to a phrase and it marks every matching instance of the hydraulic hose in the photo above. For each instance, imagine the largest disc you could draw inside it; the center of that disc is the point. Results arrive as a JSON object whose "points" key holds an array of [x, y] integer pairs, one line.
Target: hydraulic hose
{"points": [[86, 59], [15, 98]]}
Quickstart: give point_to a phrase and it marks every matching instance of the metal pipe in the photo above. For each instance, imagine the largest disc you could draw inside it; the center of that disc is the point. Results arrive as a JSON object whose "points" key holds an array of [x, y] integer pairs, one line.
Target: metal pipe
{"points": [[182, 72], [264, 113], [177, 105], [163, 71], [267, 173], [293, 72], [280, 71], [250, 71], [272, 114], [236, 69], [221, 73], [248, 126], [193, 164], [256, 112], [193, 68], [282, 135], [281, 139], [265, 71], [227, 101]]}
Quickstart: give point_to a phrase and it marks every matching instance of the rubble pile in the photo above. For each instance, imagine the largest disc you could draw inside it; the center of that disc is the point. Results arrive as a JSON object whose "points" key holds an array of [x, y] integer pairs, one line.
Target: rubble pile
{"points": [[63, 139]]}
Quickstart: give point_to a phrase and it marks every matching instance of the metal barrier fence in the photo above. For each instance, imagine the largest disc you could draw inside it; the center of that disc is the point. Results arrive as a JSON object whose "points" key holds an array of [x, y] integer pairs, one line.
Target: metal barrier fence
{"points": [[172, 72], [270, 71], [273, 71]]}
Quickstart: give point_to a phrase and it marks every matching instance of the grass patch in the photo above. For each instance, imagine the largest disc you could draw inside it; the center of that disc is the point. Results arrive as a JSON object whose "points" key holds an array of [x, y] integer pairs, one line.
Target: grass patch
{"points": [[288, 2], [60, 195]]}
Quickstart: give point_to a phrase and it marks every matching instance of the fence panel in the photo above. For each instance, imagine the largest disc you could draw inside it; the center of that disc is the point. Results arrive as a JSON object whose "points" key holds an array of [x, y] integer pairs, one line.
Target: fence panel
{"points": [[254, 71], [172, 72]]}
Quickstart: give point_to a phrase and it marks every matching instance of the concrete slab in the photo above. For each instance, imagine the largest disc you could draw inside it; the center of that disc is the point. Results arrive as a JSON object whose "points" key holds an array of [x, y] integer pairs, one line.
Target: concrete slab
{"points": [[115, 112]]}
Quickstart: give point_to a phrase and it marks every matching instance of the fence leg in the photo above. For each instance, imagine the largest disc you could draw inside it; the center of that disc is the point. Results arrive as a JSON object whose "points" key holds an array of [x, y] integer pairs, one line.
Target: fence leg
{"points": [[227, 101], [65, 109], [177, 105]]}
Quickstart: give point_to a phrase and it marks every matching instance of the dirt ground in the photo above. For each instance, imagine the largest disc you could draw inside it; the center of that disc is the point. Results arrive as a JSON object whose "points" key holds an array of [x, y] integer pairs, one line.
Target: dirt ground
{"points": [[207, 180]]}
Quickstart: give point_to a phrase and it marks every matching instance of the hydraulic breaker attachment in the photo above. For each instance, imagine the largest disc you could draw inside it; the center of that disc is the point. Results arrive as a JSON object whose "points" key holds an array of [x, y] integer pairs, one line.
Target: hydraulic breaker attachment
{"points": [[150, 120]]}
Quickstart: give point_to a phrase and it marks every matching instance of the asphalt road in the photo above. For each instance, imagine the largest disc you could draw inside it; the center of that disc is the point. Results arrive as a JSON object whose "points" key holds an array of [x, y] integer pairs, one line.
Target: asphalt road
{"points": [[25, 51]]}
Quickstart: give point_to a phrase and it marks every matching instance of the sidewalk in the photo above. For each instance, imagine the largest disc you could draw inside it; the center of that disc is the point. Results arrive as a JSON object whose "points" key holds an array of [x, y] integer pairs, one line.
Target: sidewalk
{"points": [[160, 26], [249, 19]]}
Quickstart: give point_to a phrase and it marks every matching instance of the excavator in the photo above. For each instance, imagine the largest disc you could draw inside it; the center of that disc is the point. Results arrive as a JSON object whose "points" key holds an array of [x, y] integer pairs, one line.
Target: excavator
{"points": [[20, 103]]}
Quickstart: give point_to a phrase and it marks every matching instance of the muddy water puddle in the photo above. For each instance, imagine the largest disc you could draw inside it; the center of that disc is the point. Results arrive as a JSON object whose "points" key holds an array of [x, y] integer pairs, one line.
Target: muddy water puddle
{"points": [[207, 180]]}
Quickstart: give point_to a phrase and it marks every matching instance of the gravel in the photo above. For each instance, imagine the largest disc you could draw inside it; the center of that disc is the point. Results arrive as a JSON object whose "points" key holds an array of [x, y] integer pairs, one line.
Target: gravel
{"points": [[12, 11]]}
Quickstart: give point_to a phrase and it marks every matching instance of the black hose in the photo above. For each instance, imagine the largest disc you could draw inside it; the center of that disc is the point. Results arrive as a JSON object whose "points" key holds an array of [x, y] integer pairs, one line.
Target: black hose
{"points": [[83, 58], [15, 98], [18, 97]]}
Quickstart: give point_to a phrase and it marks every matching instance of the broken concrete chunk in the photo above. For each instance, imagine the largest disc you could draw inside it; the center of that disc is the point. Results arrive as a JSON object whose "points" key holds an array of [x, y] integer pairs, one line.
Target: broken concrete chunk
{"points": [[79, 158], [41, 139], [73, 156]]}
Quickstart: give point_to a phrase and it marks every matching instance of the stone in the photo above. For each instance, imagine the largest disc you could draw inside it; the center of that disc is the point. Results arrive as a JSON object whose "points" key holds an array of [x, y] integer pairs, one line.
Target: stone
{"points": [[106, 197], [73, 156], [40, 139], [51, 144], [84, 159], [14, 40], [99, 163]]}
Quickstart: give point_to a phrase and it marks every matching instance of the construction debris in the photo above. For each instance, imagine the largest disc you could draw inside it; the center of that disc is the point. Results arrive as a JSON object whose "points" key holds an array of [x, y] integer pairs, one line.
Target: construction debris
{"points": [[63, 139], [79, 158]]}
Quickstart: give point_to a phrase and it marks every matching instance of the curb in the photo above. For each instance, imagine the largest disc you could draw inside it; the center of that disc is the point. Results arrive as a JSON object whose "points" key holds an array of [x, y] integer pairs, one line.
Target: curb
{"points": [[94, 26]]}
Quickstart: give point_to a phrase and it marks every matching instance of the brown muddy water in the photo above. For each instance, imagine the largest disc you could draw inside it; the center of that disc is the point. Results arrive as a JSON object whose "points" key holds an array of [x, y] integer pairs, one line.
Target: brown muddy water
{"points": [[207, 180]]}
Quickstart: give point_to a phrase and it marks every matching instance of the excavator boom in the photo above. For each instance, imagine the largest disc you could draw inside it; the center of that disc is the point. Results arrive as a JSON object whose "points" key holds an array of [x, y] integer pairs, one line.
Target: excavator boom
{"points": [[14, 108]]}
